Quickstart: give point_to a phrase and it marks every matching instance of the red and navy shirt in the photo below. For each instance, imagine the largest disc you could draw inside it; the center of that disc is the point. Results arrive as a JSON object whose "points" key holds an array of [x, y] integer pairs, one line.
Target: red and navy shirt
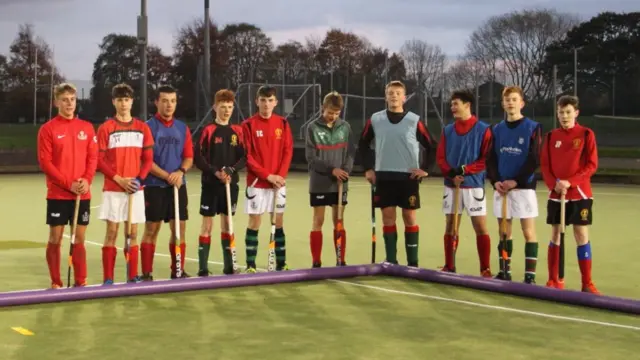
{"points": [[220, 146]]}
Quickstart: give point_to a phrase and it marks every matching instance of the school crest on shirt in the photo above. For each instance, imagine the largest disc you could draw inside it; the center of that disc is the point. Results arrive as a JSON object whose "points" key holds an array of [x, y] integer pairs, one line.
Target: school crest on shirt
{"points": [[234, 140], [82, 135], [576, 143], [584, 214], [278, 134]]}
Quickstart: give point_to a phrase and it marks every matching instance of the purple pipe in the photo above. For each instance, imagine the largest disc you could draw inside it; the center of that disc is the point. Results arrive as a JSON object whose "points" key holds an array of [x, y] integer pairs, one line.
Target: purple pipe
{"points": [[515, 288], [159, 287]]}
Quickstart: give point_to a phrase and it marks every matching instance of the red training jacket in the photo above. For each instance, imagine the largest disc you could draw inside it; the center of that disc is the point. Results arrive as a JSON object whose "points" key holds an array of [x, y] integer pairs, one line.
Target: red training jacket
{"points": [[269, 148], [67, 151], [570, 155]]}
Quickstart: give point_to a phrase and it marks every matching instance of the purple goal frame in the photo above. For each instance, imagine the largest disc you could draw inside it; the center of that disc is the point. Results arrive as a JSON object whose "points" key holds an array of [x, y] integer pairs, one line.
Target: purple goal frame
{"points": [[33, 297]]}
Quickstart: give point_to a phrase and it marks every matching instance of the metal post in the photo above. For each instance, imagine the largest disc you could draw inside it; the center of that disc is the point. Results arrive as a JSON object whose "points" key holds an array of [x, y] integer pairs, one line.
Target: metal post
{"points": [[555, 101], [364, 100], [613, 95], [51, 87], [207, 53], [35, 88], [142, 43]]}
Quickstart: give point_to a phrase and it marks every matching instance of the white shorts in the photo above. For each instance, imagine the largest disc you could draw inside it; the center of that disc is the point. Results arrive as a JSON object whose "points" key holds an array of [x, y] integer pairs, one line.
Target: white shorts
{"points": [[473, 200], [258, 201], [115, 206], [521, 204]]}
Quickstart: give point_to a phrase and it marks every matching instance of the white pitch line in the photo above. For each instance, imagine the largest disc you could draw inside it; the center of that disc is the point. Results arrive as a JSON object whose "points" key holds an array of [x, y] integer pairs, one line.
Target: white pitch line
{"points": [[439, 298]]}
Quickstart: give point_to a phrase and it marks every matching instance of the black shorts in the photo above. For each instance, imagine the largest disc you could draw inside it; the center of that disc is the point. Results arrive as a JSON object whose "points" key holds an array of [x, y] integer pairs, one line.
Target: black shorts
{"points": [[577, 212], [326, 199], [213, 199], [158, 203], [397, 193], [60, 212]]}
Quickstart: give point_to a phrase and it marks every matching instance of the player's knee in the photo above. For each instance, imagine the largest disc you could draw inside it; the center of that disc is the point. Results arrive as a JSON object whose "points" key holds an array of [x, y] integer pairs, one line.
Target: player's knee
{"points": [[581, 234], [555, 234], [529, 234], [111, 236], [151, 230], [254, 222], [409, 217], [389, 216], [279, 220], [479, 225], [55, 234]]}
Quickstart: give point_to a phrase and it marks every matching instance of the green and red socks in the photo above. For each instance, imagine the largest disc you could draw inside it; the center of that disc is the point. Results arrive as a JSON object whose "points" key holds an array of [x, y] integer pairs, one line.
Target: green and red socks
{"points": [[584, 261], [390, 235], [251, 247], [502, 262], [411, 236], [53, 262], [530, 261], [227, 261], [204, 245], [281, 252]]}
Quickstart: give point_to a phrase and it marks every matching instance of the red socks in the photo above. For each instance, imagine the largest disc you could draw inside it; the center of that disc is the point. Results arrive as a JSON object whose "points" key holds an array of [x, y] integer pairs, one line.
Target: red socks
{"points": [[343, 250], [449, 252], [553, 259], [53, 262], [483, 243], [108, 262], [133, 262], [147, 250], [585, 271], [315, 243], [79, 259]]}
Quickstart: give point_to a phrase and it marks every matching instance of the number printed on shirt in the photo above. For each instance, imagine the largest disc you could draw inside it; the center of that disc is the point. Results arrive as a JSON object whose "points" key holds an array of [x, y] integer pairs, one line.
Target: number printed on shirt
{"points": [[259, 133]]}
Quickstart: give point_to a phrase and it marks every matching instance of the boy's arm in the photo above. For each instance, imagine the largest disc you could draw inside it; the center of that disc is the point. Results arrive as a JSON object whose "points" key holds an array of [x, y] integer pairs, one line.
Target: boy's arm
{"points": [[314, 162], [45, 158], [187, 151], [147, 153], [545, 166], [347, 164], [441, 156], [202, 150], [241, 154], [253, 164], [103, 150], [429, 145], [590, 155], [533, 158], [480, 164], [287, 150], [92, 156], [367, 154]]}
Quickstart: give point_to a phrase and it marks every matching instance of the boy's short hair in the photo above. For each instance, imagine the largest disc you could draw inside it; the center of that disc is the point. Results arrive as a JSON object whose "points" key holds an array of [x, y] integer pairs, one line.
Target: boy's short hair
{"points": [[122, 91], [396, 83], [566, 100], [463, 95], [266, 91], [333, 100], [512, 90], [64, 88], [224, 95], [166, 89]]}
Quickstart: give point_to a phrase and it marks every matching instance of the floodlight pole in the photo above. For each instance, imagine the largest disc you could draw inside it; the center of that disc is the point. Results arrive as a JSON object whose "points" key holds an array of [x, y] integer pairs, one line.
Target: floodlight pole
{"points": [[207, 53], [142, 43]]}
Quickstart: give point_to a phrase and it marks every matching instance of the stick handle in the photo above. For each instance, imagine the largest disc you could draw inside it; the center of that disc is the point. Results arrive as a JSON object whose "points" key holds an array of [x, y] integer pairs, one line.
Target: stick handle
{"points": [[340, 207], [456, 199], [72, 230], [227, 186], [373, 225], [562, 213], [176, 209], [129, 214], [503, 220]]}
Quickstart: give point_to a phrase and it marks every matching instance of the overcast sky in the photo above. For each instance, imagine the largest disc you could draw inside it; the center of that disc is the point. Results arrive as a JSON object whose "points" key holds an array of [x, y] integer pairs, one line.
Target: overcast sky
{"points": [[74, 28]]}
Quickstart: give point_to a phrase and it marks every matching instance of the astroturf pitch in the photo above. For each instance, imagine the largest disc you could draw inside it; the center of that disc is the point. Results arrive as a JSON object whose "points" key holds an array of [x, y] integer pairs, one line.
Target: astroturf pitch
{"points": [[362, 318]]}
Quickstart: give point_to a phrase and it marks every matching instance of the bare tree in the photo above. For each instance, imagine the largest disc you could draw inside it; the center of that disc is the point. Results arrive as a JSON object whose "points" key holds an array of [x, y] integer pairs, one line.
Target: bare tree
{"points": [[424, 63], [516, 42]]}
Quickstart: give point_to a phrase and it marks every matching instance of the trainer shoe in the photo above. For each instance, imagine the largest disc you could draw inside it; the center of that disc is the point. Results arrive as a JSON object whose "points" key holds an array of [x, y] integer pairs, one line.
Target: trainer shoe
{"points": [[135, 280], [184, 275], [108, 282], [590, 288], [282, 267], [486, 273], [228, 270], [414, 265], [501, 276], [559, 284], [529, 280], [316, 265], [446, 269], [204, 272], [56, 286], [251, 270], [80, 284], [147, 277]]}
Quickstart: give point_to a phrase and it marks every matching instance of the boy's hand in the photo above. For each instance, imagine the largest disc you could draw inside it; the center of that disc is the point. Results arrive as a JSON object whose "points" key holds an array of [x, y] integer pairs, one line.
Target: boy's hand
{"points": [[130, 185], [222, 176], [562, 186], [370, 175], [175, 178], [340, 174], [459, 179], [276, 180], [83, 186], [418, 174], [508, 185]]}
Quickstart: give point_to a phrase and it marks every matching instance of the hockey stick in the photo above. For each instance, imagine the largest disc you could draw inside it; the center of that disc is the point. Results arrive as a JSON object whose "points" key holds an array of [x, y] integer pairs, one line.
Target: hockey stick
{"points": [[562, 230], [72, 230], [373, 225], [503, 236], [232, 237], [339, 226], [454, 230], [176, 221], [127, 241], [271, 263]]}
